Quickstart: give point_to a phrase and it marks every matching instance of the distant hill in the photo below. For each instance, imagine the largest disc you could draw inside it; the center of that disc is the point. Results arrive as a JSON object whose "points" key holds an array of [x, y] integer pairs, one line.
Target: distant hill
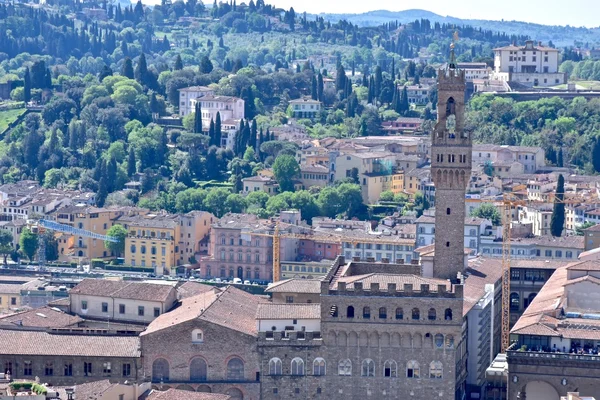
{"points": [[559, 35]]}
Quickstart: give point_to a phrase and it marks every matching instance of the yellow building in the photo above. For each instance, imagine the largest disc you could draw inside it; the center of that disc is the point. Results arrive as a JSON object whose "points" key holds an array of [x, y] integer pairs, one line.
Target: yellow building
{"points": [[10, 297], [164, 241], [82, 249]]}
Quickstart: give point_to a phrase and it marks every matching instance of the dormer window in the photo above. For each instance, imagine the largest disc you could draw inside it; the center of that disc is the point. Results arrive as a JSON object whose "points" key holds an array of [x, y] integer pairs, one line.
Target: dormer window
{"points": [[197, 336]]}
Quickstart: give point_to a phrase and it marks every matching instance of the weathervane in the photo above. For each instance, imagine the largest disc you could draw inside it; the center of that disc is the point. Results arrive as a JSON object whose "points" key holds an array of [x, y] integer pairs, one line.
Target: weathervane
{"points": [[452, 57]]}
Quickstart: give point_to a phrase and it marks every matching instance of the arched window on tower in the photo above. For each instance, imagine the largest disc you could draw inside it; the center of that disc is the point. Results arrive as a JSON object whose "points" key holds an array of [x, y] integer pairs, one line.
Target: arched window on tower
{"points": [[450, 107]]}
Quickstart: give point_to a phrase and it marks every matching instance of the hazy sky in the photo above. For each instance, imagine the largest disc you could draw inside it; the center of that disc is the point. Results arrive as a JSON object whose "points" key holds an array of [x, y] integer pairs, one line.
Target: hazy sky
{"points": [[548, 12]]}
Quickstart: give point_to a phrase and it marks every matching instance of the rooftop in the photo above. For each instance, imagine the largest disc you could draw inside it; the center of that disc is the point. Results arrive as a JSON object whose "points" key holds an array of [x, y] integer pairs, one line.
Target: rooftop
{"points": [[36, 343], [44, 317], [288, 311], [123, 289], [231, 308], [295, 286], [177, 394]]}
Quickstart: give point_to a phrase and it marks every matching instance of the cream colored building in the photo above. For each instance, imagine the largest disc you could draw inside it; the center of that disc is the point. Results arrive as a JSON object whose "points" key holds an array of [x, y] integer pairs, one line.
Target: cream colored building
{"points": [[121, 300], [530, 65], [305, 108], [186, 95], [260, 183], [228, 107]]}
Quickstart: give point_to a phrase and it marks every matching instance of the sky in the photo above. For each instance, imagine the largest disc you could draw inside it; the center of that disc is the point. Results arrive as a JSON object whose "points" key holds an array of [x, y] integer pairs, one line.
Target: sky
{"points": [[547, 12]]}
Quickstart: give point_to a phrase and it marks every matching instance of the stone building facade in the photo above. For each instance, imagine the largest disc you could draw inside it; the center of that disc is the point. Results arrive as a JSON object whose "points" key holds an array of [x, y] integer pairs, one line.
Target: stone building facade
{"points": [[450, 170]]}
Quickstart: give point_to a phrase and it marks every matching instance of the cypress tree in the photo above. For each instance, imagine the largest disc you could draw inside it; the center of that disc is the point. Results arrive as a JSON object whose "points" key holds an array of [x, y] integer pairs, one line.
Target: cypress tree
{"points": [[178, 63], [557, 222], [404, 106], [211, 133], [141, 70], [253, 135], [197, 118], [131, 169], [313, 91], [27, 86], [320, 87], [559, 161], [218, 130], [127, 70]]}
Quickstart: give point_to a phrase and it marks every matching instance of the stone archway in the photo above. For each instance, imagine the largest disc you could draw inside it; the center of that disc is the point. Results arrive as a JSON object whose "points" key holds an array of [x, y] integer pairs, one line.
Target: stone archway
{"points": [[185, 387], [235, 393], [540, 390], [204, 389]]}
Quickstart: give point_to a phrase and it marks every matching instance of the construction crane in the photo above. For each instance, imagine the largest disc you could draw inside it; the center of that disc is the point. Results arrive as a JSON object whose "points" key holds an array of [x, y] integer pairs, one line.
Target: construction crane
{"points": [[41, 225], [509, 202], [324, 237]]}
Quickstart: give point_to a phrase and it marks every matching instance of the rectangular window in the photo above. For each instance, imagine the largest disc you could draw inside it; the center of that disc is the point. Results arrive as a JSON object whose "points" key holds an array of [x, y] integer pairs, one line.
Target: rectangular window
{"points": [[289, 299], [126, 369], [84, 305], [106, 368], [68, 369], [140, 311], [156, 311], [163, 251], [27, 368], [87, 368], [13, 301], [104, 307], [121, 308]]}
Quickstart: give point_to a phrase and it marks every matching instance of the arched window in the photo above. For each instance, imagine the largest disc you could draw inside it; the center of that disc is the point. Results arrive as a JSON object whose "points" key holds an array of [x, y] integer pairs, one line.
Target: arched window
{"points": [[416, 314], [197, 336], [431, 315], [198, 370], [390, 369], [133, 248], [439, 340], [450, 107], [235, 394], [235, 369], [450, 341], [515, 301], [319, 366], [275, 366], [367, 312], [399, 313], [531, 297], [297, 366], [382, 313], [448, 314], [350, 312], [436, 370], [368, 367], [345, 368], [412, 369], [160, 370]]}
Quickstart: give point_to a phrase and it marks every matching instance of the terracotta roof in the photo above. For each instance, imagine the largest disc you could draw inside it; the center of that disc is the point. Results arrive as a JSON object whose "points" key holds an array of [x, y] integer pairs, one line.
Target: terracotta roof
{"points": [[9, 288], [36, 343], [93, 390], [232, 308], [176, 394], [591, 265], [44, 317], [536, 264], [398, 279], [190, 289], [288, 311], [481, 271], [312, 286], [123, 289]]}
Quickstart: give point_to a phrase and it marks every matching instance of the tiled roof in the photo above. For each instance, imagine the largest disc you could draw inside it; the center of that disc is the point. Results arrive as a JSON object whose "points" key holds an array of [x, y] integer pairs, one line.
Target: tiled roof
{"points": [[574, 242], [190, 289], [36, 343], [150, 221], [44, 317], [176, 394], [10, 288], [123, 289], [231, 308], [224, 99], [536, 264], [288, 311], [399, 279], [591, 265], [481, 271], [312, 286], [93, 390], [242, 221]]}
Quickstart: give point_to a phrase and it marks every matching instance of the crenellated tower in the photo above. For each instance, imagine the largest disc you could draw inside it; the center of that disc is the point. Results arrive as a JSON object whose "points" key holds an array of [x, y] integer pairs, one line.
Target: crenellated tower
{"points": [[450, 171]]}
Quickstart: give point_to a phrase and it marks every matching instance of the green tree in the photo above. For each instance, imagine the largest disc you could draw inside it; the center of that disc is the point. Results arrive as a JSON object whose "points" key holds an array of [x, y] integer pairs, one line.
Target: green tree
{"points": [[596, 155], [28, 243], [131, 168], [488, 211], [190, 200], [198, 118], [127, 70], [206, 66], [235, 203], [329, 202], [351, 196], [120, 233], [285, 169], [215, 201], [178, 63], [388, 195], [579, 230], [50, 246], [6, 246], [557, 222], [26, 89]]}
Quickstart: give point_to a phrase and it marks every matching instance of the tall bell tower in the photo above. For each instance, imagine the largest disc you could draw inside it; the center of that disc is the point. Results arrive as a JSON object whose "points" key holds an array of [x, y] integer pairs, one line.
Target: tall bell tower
{"points": [[450, 170]]}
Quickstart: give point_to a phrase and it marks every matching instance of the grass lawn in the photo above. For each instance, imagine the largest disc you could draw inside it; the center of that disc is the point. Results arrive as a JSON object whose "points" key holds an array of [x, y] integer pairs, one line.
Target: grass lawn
{"points": [[9, 116]]}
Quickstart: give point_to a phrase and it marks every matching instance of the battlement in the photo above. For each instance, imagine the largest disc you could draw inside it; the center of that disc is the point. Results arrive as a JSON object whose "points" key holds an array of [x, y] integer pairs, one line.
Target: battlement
{"points": [[451, 79], [392, 290]]}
